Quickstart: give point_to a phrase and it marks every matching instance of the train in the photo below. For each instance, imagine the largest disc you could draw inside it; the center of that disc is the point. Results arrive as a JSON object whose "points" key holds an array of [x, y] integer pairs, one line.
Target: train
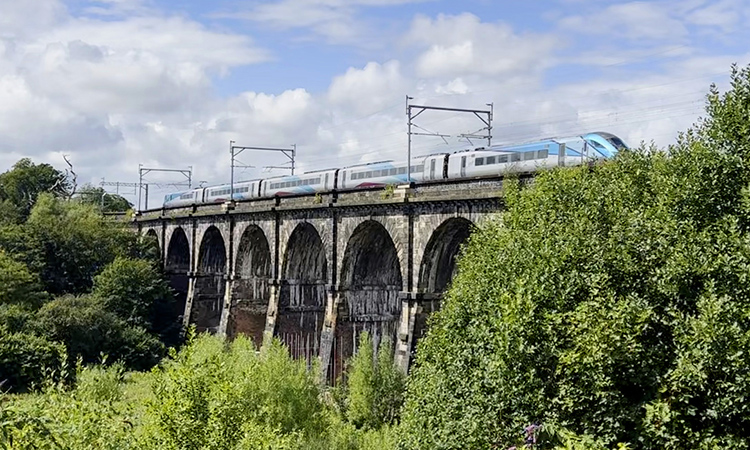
{"points": [[465, 164]]}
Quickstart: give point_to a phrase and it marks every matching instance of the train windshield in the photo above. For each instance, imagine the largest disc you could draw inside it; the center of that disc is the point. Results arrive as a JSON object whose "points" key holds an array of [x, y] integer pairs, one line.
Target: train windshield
{"points": [[617, 142]]}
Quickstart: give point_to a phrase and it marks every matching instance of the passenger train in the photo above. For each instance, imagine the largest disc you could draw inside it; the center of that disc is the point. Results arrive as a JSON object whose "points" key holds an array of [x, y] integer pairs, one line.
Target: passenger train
{"points": [[465, 164]]}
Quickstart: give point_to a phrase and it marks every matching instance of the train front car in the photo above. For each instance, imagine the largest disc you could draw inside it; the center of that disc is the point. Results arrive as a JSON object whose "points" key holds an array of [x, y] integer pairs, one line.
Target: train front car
{"points": [[185, 198], [605, 145], [307, 183]]}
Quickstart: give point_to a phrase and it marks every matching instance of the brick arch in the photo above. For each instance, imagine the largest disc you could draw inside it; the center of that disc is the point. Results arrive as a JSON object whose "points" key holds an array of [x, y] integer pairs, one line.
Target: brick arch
{"points": [[211, 266], [438, 262], [253, 272], [397, 228], [370, 284], [302, 295]]}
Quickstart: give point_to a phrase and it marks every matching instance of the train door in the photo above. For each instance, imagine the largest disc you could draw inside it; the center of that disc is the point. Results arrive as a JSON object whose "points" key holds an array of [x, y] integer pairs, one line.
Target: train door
{"points": [[432, 169], [325, 184], [463, 167]]}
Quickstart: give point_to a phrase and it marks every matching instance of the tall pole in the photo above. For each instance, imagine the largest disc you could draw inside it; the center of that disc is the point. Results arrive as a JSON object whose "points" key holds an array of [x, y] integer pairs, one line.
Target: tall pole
{"points": [[408, 147], [294, 155], [231, 176]]}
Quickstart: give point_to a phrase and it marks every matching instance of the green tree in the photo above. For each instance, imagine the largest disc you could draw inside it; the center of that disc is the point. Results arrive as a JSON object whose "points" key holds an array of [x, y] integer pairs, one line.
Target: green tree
{"points": [[135, 291], [21, 185], [375, 386], [77, 243], [102, 199], [17, 284], [609, 302], [89, 331]]}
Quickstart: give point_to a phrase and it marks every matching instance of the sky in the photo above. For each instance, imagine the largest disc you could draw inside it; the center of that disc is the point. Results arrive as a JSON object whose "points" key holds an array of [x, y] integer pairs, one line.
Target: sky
{"points": [[115, 85]]}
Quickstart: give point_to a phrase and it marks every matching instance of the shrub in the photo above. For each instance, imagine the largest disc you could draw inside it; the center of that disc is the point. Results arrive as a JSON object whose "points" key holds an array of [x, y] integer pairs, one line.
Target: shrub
{"points": [[375, 390], [27, 360], [89, 332]]}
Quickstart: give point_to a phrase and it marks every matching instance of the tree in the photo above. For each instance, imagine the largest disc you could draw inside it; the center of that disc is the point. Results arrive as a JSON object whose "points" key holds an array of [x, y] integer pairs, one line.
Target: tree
{"points": [[90, 331], [21, 185], [17, 284], [135, 291], [77, 243], [611, 302], [102, 199]]}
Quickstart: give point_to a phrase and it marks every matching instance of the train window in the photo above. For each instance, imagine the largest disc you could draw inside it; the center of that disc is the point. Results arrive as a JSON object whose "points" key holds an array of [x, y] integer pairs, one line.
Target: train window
{"points": [[541, 154], [515, 157], [368, 174], [394, 171], [402, 170], [420, 168], [529, 155], [502, 159], [490, 160], [479, 162]]}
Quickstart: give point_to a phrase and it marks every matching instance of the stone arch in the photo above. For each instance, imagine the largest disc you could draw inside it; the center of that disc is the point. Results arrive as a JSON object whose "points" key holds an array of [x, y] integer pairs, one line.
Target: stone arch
{"points": [[154, 246], [176, 268], [370, 284], [251, 288], [210, 285], [302, 296], [437, 269], [439, 261]]}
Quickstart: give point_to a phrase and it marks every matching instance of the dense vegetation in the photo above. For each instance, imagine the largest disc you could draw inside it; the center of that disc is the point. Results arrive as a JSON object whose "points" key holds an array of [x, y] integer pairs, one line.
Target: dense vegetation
{"points": [[610, 305], [73, 285]]}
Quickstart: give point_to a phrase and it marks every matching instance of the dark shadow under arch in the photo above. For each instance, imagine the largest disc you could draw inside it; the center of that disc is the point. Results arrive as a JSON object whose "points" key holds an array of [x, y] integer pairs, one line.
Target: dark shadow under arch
{"points": [[176, 268], [370, 286], [303, 293], [251, 288], [210, 284]]}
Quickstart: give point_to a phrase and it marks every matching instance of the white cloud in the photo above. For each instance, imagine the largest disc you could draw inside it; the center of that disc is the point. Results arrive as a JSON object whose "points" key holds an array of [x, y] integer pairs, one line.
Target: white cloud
{"points": [[637, 21], [464, 45]]}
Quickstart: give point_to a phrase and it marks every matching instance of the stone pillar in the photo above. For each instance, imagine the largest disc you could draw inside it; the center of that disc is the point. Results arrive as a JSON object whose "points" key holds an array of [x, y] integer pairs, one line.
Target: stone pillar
{"points": [[226, 309], [405, 335], [328, 333], [273, 311], [189, 300]]}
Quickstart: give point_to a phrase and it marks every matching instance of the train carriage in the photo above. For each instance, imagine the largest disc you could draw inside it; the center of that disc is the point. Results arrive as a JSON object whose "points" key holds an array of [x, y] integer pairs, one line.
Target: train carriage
{"points": [[307, 183], [243, 190]]}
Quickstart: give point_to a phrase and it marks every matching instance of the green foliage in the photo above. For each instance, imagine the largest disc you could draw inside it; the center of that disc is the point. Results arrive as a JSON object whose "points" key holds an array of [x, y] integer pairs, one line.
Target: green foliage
{"points": [[612, 301], [135, 291], [17, 284], [102, 200], [211, 395], [27, 360], [77, 242], [20, 186], [90, 331], [375, 390]]}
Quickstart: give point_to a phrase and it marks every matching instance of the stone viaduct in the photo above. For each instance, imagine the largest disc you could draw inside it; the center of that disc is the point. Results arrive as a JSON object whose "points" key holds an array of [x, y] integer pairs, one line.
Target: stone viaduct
{"points": [[317, 270]]}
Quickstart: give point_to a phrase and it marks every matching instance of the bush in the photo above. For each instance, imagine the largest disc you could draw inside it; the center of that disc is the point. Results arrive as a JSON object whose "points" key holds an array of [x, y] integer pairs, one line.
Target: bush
{"points": [[135, 291], [375, 390], [27, 360], [90, 332]]}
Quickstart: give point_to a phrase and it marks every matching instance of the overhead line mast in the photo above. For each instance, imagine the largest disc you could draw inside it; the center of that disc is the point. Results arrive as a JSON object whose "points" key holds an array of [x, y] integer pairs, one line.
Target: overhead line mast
{"points": [[485, 115]]}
